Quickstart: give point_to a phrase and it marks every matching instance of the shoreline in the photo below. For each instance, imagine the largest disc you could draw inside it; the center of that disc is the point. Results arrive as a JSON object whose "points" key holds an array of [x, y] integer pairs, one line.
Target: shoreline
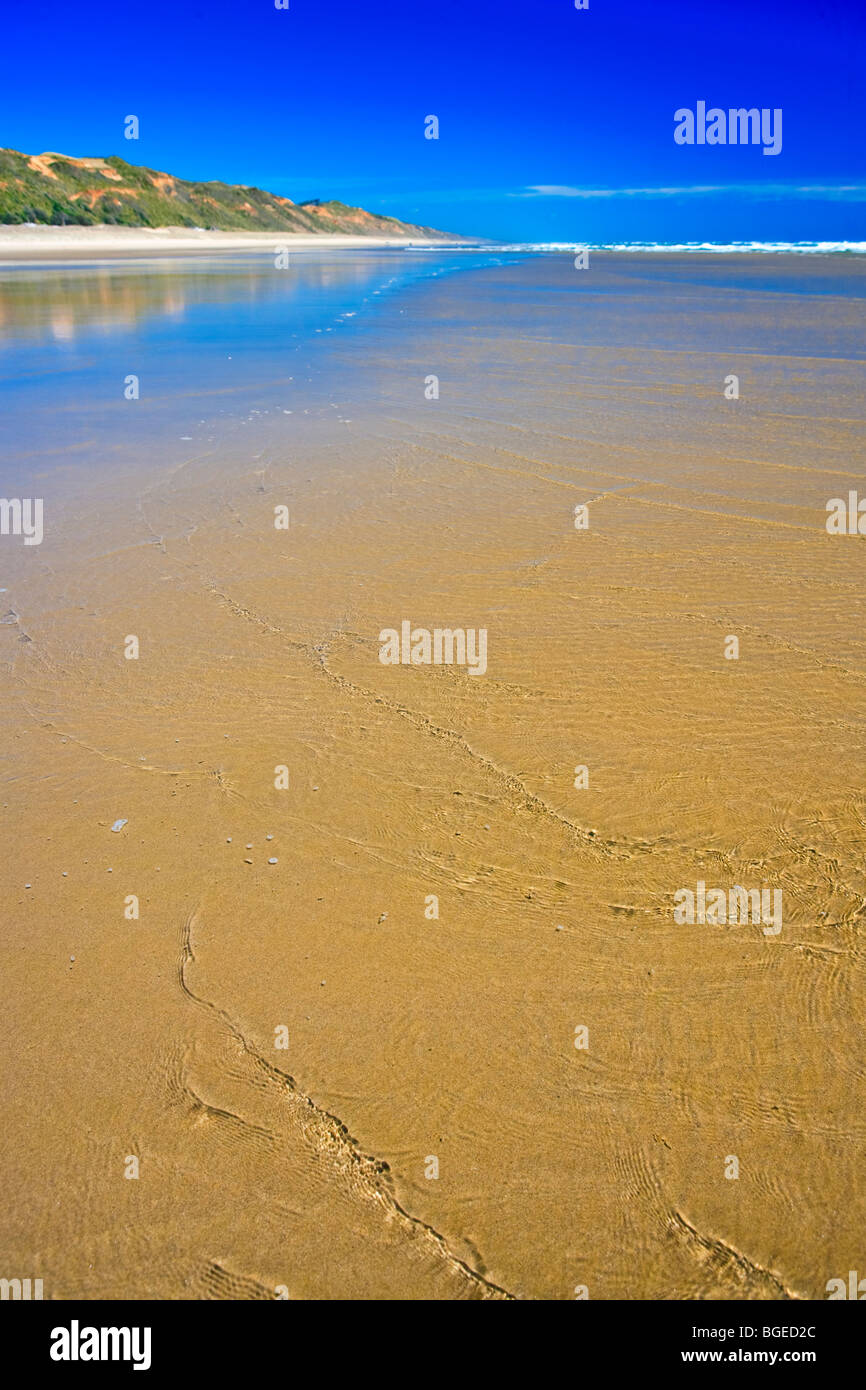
{"points": [[21, 243]]}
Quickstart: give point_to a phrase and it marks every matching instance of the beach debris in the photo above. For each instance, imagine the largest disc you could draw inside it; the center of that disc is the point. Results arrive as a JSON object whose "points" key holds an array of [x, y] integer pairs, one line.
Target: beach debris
{"points": [[382, 916], [119, 824], [272, 861]]}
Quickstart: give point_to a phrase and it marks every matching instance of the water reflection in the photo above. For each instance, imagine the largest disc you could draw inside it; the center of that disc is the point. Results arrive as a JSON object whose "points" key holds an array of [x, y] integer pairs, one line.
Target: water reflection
{"points": [[45, 304], [211, 343]]}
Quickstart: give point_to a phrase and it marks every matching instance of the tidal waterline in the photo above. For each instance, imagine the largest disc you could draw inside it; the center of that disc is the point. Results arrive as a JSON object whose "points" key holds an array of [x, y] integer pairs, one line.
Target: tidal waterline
{"points": [[98, 361]]}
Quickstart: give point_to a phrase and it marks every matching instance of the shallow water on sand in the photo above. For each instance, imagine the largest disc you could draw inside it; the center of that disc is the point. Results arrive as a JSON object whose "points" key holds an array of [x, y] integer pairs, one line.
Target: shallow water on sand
{"points": [[211, 340], [413, 1037]]}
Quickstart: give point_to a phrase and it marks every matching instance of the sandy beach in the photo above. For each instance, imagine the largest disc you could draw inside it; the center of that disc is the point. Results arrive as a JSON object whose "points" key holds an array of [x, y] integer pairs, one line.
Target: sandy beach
{"points": [[29, 243], [330, 1090]]}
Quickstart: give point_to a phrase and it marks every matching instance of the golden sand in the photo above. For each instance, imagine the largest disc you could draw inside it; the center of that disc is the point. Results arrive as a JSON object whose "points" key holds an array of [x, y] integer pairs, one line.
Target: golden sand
{"points": [[411, 1038]]}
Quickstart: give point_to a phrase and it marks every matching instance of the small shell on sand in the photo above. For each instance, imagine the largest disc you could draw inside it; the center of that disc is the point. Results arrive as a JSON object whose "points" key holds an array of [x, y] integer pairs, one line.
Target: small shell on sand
{"points": [[119, 824], [272, 861]]}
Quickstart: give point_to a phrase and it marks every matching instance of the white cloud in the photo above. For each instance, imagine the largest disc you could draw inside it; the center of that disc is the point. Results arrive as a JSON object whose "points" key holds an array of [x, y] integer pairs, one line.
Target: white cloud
{"points": [[832, 192]]}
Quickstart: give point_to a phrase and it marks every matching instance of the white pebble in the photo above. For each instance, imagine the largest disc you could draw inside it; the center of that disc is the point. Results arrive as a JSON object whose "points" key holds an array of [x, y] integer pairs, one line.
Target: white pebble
{"points": [[272, 861]]}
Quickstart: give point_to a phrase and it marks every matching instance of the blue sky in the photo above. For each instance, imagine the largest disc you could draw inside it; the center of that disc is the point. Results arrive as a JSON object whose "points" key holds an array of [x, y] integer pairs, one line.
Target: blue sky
{"points": [[555, 124]]}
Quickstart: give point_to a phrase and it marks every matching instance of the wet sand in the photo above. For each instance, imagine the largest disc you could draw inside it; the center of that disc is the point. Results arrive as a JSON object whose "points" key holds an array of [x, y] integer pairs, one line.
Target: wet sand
{"points": [[411, 1038]]}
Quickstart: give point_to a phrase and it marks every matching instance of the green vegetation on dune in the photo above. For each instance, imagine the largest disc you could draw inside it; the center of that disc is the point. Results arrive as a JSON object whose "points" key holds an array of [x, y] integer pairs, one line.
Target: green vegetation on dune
{"points": [[56, 190], [27, 196]]}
